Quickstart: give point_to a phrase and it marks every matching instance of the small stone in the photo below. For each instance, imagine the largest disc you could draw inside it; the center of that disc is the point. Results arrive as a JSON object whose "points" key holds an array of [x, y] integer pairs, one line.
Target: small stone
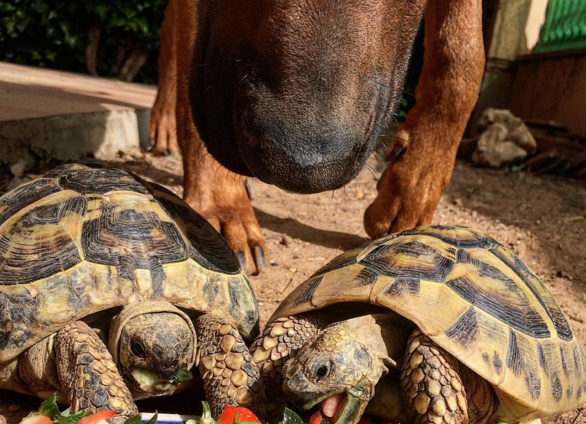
{"points": [[285, 240], [421, 403], [227, 343], [433, 388], [18, 168], [439, 406]]}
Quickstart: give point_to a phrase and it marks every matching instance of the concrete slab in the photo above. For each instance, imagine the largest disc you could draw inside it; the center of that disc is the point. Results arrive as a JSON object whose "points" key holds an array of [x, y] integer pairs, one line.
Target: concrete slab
{"points": [[65, 116]]}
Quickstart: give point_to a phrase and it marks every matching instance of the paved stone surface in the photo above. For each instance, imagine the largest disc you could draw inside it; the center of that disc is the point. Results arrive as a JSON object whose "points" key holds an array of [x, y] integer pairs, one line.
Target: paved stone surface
{"points": [[65, 116]]}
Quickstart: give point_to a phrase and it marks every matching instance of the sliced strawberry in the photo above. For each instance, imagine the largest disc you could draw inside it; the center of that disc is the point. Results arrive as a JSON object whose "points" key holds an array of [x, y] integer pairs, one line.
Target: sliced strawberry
{"points": [[316, 418], [238, 414], [97, 418], [36, 419]]}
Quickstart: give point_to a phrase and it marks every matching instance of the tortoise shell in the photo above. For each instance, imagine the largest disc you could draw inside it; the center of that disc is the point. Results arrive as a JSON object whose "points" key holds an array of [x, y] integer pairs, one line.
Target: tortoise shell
{"points": [[81, 240], [475, 299]]}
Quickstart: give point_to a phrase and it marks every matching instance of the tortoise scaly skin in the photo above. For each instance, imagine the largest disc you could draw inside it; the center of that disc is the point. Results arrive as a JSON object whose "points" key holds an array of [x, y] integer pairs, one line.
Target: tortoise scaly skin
{"points": [[102, 278], [443, 323]]}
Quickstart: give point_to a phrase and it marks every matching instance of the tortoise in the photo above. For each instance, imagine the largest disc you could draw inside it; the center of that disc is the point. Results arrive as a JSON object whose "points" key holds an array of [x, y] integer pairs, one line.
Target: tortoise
{"points": [[112, 289], [443, 323]]}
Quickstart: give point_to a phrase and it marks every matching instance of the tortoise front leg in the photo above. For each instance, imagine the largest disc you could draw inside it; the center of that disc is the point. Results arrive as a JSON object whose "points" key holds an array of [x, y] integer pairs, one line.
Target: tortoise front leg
{"points": [[279, 342], [88, 375], [229, 374], [433, 388]]}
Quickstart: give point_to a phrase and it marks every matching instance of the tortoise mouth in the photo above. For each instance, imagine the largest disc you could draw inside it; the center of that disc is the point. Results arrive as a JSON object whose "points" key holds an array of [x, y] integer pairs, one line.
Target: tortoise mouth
{"points": [[341, 408], [150, 383]]}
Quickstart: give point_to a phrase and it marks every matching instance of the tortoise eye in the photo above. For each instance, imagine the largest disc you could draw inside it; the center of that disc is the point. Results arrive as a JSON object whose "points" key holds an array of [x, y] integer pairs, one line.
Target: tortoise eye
{"points": [[323, 370], [138, 350]]}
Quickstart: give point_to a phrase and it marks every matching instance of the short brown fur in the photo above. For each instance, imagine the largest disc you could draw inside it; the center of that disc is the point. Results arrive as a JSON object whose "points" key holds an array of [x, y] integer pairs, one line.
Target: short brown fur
{"points": [[296, 93]]}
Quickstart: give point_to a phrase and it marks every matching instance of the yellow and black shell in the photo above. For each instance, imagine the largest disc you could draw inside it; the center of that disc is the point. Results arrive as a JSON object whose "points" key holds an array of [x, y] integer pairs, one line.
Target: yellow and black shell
{"points": [[475, 299], [82, 239]]}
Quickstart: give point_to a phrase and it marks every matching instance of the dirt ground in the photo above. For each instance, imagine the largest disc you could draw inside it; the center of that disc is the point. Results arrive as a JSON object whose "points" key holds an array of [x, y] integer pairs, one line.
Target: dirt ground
{"points": [[541, 218]]}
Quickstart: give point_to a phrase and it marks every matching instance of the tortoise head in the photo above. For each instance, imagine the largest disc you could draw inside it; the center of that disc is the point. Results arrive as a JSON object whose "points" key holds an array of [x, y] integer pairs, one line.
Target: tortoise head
{"points": [[156, 352], [336, 370]]}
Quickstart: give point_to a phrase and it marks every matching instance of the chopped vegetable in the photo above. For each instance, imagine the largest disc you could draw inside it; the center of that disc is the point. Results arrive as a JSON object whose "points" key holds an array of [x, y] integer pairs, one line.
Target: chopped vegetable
{"points": [[36, 419], [316, 418], [97, 418], [238, 414]]}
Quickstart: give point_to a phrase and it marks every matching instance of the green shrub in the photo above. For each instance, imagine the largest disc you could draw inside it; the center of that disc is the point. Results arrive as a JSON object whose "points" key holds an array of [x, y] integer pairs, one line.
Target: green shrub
{"points": [[54, 33]]}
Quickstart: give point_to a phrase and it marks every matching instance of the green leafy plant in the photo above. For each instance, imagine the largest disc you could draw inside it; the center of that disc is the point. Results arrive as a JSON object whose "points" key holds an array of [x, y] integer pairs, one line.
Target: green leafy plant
{"points": [[49, 413], [56, 34]]}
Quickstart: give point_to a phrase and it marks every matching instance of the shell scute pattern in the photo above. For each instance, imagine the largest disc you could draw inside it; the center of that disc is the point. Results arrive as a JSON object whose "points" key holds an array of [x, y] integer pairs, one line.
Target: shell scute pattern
{"points": [[474, 298], [87, 180], [205, 247], [130, 236], [41, 240], [22, 196], [82, 239]]}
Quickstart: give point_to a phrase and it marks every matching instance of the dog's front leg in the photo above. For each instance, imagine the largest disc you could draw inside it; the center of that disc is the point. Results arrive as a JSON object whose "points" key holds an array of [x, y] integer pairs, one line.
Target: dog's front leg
{"points": [[412, 185], [217, 194], [163, 127]]}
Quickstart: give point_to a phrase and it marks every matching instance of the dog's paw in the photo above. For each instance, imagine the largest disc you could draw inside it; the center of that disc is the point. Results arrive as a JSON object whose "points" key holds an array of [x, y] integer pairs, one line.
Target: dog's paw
{"points": [[163, 129], [408, 193], [231, 214]]}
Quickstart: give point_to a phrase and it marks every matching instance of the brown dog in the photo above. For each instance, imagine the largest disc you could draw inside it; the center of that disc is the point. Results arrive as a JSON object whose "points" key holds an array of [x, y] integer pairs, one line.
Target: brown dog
{"points": [[296, 92]]}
